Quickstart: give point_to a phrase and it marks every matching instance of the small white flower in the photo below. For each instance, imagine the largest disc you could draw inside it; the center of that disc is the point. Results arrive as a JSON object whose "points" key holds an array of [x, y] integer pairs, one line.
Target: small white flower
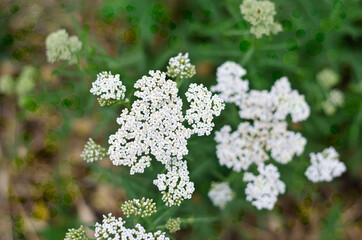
{"points": [[76, 234], [202, 108], [59, 46], [180, 66], [220, 194], [108, 88], [325, 166], [263, 190]]}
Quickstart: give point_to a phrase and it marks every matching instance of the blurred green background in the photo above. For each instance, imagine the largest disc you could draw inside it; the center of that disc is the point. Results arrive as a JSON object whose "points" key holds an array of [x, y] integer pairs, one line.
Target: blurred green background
{"points": [[48, 115]]}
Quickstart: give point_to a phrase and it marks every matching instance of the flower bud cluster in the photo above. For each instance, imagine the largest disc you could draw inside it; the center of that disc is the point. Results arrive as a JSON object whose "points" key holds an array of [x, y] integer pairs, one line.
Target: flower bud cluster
{"points": [[114, 228], [144, 207], [180, 67], [76, 234], [173, 225], [93, 152]]}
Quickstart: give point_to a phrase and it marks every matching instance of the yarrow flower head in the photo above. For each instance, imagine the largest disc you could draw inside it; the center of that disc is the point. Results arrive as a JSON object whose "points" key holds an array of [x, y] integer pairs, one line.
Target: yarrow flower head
{"points": [[108, 88], [154, 126], [327, 78], [203, 107], [175, 185], [173, 225], [59, 46], [325, 166], [113, 228], [260, 14], [265, 133], [93, 152], [230, 83], [76, 234], [263, 190], [144, 207], [220, 194], [180, 67]]}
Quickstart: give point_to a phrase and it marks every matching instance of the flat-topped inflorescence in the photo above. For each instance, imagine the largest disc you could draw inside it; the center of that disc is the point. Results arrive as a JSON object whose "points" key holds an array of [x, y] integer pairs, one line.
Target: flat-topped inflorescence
{"points": [[265, 132], [260, 14], [154, 125], [325, 166], [220, 194], [263, 190], [108, 88], [61, 47]]}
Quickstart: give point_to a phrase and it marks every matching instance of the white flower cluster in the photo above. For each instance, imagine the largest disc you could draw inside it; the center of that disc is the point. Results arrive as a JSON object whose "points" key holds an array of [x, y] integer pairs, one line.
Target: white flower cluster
{"points": [[334, 99], [59, 46], [220, 194], [108, 88], [76, 234], [260, 14], [180, 67], [325, 166], [202, 108], [250, 143], [113, 228], [144, 207], [230, 83], [265, 134], [263, 190], [274, 105], [327, 78], [93, 152], [175, 185], [154, 125]]}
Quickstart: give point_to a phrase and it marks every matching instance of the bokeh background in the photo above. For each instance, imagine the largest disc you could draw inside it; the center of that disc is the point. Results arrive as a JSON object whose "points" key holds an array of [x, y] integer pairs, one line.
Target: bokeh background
{"points": [[45, 120]]}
